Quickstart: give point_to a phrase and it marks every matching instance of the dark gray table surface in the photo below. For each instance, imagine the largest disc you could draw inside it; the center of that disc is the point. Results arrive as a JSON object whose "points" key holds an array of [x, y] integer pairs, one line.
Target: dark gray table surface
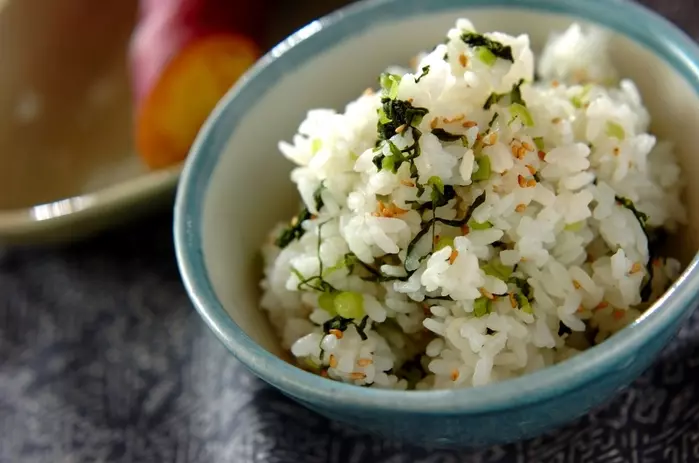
{"points": [[102, 358]]}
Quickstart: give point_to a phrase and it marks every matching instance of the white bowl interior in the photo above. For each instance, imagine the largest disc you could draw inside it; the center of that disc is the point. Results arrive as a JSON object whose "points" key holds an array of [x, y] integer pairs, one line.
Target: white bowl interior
{"points": [[250, 190]]}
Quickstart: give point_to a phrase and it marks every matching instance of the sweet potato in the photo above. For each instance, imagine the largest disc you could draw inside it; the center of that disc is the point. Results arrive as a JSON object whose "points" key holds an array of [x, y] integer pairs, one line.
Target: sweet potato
{"points": [[184, 55]]}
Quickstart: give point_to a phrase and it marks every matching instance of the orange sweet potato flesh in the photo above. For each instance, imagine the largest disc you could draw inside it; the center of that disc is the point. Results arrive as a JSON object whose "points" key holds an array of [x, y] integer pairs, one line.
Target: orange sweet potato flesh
{"points": [[184, 56]]}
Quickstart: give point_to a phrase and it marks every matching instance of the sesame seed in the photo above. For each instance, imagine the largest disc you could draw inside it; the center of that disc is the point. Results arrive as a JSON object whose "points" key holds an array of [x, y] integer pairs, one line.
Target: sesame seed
{"points": [[531, 169], [554, 83], [410, 100], [521, 207], [469, 124], [407, 183], [364, 362], [513, 301], [333, 361], [521, 152], [401, 128], [576, 284], [452, 257], [434, 122], [616, 151], [493, 138], [521, 181], [542, 155], [636, 267], [357, 375], [531, 183], [580, 308], [369, 91], [556, 120], [454, 374], [602, 305], [337, 333], [527, 146]]}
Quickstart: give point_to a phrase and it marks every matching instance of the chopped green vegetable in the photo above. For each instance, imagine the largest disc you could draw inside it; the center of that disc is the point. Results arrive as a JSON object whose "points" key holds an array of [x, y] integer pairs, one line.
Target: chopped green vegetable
{"points": [[383, 118], [615, 130], [295, 229], [436, 183], [473, 39], [473, 225], [517, 110], [326, 301], [425, 71], [316, 145], [398, 113], [311, 363], [483, 172], [389, 84], [486, 56], [497, 269], [388, 163], [523, 303], [482, 306], [349, 304], [539, 142], [515, 96], [575, 226], [443, 242]]}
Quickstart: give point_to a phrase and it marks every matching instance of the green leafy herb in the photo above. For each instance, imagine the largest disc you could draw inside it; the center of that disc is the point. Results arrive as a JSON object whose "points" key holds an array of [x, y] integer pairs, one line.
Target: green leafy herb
{"points": [[337, 323], [389, 84], [501, 51], [425, 71], [326, 301], [295, 229], [482, 306], [628, 204], [515, 96], [398, 113], [445, 136]]}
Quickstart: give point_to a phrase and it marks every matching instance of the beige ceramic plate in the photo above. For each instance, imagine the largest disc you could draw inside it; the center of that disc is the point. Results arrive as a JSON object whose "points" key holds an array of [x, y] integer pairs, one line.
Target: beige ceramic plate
{"points": [[67, 164]]}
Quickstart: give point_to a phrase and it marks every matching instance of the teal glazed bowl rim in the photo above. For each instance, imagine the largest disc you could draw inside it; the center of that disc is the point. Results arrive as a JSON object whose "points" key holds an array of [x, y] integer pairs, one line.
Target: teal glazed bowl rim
{"points": [[623, 16]]}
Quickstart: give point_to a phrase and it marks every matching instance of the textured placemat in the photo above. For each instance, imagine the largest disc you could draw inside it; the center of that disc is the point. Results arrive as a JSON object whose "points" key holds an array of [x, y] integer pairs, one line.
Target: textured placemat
{"points": [[102, 358]]}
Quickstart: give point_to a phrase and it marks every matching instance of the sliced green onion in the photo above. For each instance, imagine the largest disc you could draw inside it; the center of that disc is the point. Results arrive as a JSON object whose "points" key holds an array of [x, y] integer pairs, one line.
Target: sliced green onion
{"points": [[518, 110], [311, 363], [349, 304], [326, 301], [483, 172], [481, 306], [497, 269], [486, 56], [615, 130], [443, 242]]}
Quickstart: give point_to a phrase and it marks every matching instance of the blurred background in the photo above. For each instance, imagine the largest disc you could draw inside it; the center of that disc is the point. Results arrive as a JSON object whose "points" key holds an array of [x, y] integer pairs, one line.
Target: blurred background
{"points": [[102, 357]]}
